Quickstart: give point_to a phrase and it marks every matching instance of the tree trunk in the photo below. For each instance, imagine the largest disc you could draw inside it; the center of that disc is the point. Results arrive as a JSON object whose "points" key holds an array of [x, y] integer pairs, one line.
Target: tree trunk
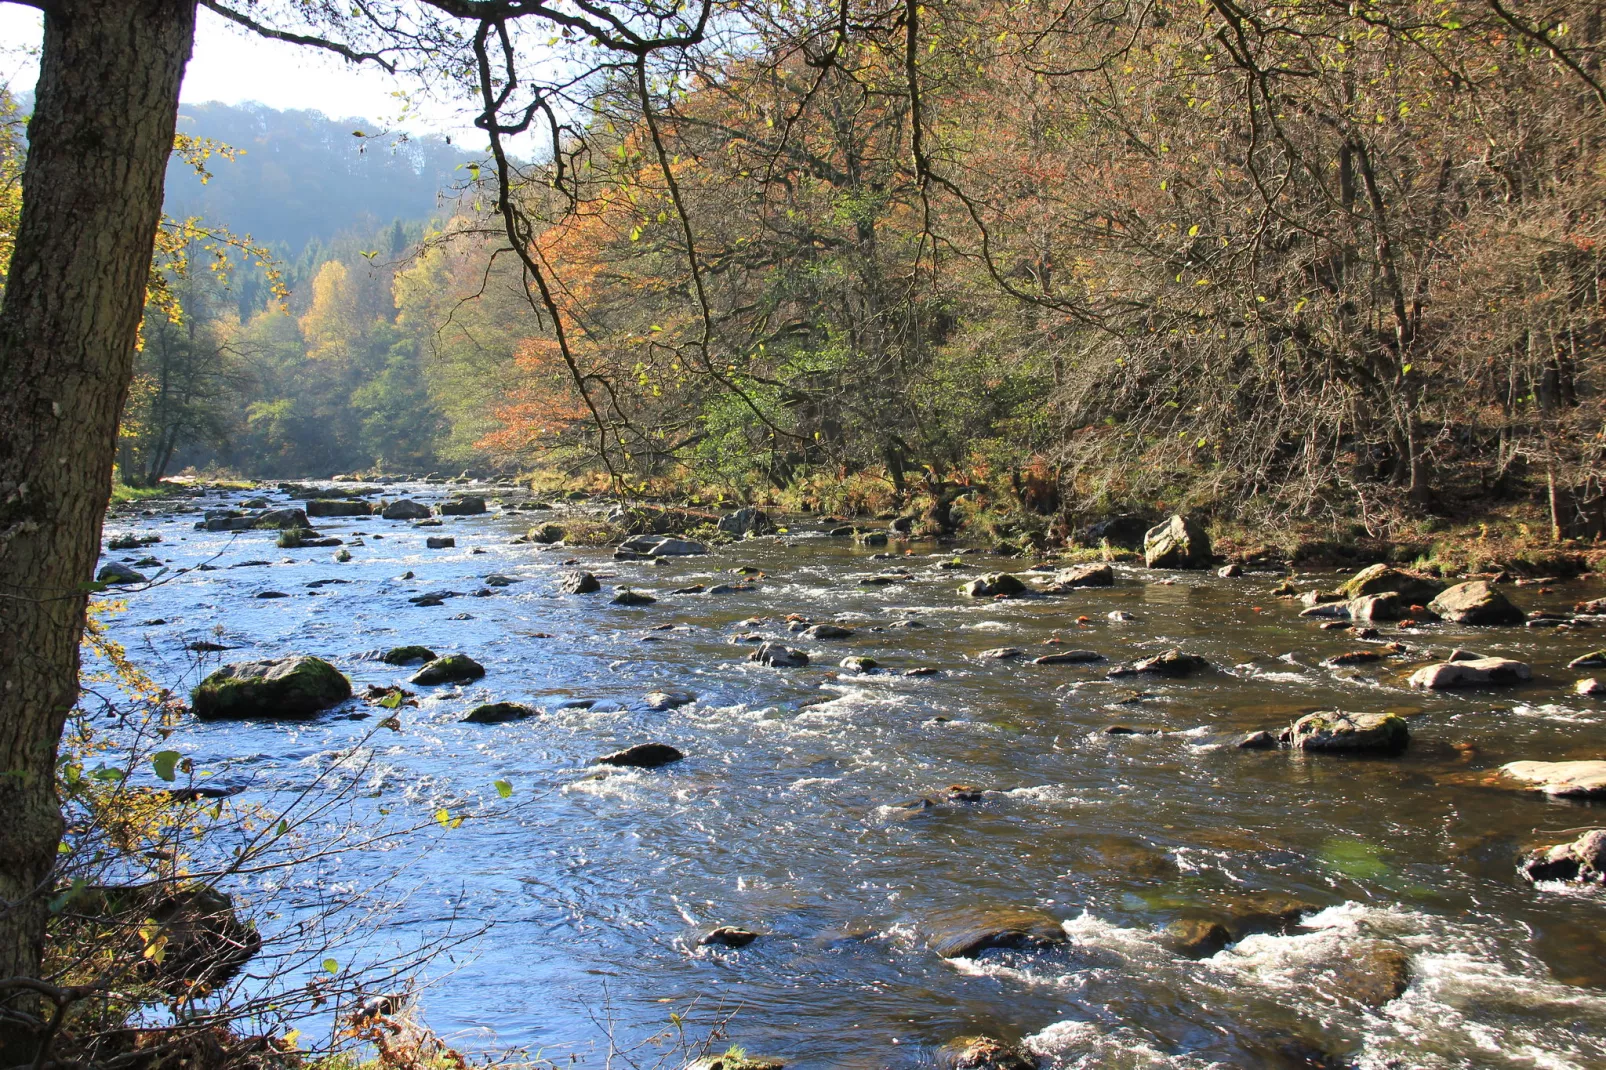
{"points": [[98, 145]]}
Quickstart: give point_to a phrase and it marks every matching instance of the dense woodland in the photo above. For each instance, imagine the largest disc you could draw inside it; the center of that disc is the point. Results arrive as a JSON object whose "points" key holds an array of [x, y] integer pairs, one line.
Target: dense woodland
{"points": [[1264, 262]]}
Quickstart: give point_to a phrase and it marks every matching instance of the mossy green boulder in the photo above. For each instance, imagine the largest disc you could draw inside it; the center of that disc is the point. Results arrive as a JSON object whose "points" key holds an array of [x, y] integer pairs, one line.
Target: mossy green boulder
{"points": [[1381, 579], [295, 687], [451, 669], [407, 655], [1356, 733]]}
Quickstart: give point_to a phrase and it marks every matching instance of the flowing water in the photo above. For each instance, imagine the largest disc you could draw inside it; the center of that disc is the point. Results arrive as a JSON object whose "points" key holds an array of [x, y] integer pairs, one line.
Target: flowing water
{"points": [[785, 816]]}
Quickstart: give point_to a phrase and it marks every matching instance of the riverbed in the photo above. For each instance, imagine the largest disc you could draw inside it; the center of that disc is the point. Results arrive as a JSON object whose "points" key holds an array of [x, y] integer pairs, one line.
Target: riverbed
{"points": [[798, 814]]}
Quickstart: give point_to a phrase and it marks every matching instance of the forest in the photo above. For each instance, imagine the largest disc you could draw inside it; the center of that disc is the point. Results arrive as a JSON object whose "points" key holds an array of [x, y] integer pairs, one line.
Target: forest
{"points": [[1125, 257]]}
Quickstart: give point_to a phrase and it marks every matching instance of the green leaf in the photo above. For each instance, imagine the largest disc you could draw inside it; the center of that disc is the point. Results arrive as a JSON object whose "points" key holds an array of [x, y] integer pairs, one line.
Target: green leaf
{"points": [[504, 789], [392, 700], [331, 966], [165, 762]]}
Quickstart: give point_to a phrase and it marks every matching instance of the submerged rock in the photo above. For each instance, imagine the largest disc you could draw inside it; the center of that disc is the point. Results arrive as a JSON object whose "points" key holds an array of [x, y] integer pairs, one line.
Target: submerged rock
{"points": [[1177, 543], [779, 655], [1477, 603], [827, 631], [1583, 860], [1069, 657], [1173, 663], [1470, 672], [1002, 653], [986, 1053], [500, 713], [1381, 733], [642, 756], [451, 669], [1566, 780], [291, 687], [727, 936], [662, 546], [659, 701], [730, 1061], [967, 934], [1196, 937], [628, 597], [992, 585]]}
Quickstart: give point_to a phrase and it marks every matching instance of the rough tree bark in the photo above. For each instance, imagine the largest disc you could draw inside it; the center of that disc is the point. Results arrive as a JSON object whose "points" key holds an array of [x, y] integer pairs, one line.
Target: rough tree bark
{"points": [[99, 140]]}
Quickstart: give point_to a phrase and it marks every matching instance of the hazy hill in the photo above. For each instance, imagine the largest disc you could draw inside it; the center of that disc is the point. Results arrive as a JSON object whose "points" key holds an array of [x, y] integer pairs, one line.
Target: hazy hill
{"points": [[304, 176]]}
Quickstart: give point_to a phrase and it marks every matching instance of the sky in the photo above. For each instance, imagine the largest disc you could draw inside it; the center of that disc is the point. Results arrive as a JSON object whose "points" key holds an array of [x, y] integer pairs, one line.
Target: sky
{"points": [[234, 66]]}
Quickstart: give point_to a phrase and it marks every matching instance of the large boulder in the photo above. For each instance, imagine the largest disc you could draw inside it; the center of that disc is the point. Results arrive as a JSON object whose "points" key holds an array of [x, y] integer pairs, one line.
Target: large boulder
{"points": [[968, 933], [282, 519], [1094, 574], [1583, 860], [1382, 579], [992, 585], [292, 687], [203, 939], [451, 669], [405, 509], [1374, 608], [1567, 780], [338, 507], [466, 505], [1476, 602], [1470, 672], [1354, 733], [1177, 543], [986, 1053], [748, 521]]}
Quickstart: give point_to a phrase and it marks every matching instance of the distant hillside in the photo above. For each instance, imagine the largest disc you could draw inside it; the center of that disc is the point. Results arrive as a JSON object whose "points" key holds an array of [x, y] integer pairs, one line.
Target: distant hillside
{"points": [[303, 176]]}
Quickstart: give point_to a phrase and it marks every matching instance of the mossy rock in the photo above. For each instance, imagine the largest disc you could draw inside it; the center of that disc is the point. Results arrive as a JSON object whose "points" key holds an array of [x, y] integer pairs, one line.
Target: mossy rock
{"points": [[407, 655], [500, 713], [294, 687], [1378, 733], [1381, 579], [451, 669]]}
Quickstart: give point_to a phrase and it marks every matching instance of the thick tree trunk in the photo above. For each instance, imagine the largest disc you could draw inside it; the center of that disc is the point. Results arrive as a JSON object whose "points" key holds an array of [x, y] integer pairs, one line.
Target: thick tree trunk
{"points": [[98, 145]]}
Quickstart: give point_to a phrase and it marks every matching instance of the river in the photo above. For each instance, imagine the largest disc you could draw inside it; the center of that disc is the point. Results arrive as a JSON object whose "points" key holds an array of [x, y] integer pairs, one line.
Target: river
{"points": [[787, 816]]}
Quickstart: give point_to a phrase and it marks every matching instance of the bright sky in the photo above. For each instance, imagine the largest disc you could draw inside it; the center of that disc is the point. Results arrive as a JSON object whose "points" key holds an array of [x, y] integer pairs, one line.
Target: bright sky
{"points": [[234, 66]]}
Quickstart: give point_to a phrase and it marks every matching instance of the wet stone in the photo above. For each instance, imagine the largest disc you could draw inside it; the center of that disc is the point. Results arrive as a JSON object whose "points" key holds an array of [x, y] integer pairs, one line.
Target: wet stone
{"points": [[451, 669], [642, 756], [969, 933]]}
